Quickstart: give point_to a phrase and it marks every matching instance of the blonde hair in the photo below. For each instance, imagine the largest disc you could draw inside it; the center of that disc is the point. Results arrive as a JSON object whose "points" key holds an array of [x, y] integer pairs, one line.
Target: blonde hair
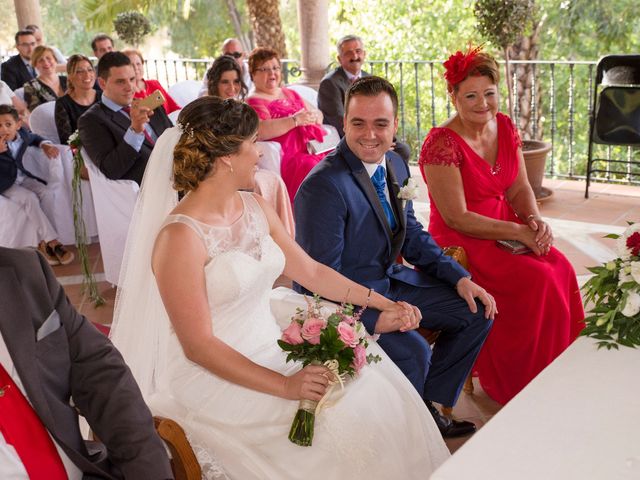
{"points": [[39, 52]]}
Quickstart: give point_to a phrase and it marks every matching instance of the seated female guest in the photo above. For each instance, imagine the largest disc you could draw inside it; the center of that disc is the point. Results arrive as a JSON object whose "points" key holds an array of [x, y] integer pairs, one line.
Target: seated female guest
{"points": [[479, 193], [284, 117], [80, 97], [224, 79], [147, 87], [47, 86]]}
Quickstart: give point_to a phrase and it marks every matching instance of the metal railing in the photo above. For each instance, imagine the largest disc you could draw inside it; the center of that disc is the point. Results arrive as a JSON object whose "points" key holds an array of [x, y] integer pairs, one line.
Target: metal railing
{"points": [[559, 96]]}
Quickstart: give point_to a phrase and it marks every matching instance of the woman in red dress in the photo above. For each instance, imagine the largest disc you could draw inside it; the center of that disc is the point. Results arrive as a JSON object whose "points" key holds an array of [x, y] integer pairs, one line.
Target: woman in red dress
{"points": [[479, 193], [147, 87]]}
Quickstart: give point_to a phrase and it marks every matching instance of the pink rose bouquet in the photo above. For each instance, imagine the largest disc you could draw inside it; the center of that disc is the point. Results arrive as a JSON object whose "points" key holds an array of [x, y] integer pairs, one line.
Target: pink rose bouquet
{"points": [[338, 341]]}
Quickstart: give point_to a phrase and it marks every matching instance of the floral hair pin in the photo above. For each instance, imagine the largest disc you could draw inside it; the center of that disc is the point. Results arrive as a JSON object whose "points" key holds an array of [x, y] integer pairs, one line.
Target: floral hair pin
{"points": [[186, 128], [459, 64]]}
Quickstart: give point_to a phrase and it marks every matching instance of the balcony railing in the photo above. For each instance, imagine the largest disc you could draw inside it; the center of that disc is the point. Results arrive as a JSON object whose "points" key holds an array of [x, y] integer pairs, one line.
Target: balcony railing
{"points": [[558, 95]]}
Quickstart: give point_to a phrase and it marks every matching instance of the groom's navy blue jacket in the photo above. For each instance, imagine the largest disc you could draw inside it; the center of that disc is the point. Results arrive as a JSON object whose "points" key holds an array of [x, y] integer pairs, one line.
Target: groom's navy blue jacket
{"points": [[340, 223]]}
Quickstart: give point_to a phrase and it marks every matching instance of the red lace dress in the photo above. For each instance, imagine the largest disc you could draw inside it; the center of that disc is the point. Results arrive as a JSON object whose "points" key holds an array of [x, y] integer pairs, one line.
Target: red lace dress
{"points": [[538, 299], [296, 160]]}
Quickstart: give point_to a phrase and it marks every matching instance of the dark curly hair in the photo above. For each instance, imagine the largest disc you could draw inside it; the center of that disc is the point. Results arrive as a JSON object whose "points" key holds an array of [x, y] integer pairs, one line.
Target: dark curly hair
{"points": [[224, 63], [213, 128]]}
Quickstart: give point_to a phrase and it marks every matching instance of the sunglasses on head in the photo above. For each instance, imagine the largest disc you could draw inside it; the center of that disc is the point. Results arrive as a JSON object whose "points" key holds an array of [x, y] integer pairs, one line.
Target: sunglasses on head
{"points": [[235, 54]]}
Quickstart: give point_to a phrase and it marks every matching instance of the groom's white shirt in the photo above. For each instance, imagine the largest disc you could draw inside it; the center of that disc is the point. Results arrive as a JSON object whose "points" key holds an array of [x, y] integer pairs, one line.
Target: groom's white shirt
{"points": [[11, 467]]}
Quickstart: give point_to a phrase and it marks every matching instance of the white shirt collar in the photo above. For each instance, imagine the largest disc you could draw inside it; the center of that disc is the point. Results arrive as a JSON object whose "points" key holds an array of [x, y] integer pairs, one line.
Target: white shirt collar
{"points": [[351, 76], [372, 167]]}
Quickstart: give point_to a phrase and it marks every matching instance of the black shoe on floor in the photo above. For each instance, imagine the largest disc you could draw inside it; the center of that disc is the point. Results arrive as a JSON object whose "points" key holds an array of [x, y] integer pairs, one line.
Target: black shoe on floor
{"points": [[448, 427]]}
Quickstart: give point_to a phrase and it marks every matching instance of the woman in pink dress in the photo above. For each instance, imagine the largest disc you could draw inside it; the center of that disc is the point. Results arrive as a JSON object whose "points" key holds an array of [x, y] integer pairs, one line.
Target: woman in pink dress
{"points": [[284, 118], [479, 193]]}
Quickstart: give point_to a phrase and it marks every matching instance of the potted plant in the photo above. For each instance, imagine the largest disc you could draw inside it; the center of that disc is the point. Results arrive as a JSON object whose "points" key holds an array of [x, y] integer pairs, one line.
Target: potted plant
{"points": [[502, 22], [132, 27]]}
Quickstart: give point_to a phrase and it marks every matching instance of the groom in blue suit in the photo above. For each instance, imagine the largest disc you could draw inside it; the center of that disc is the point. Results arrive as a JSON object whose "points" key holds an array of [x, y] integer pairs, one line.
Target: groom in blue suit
{"points": [[349, 216]]}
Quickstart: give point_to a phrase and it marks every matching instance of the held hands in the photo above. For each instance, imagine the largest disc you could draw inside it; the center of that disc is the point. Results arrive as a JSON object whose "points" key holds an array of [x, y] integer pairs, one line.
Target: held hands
{"points": [[399, 316], [139, 116], [310, 383], [49, 150], [537, 235], [469, 290]]}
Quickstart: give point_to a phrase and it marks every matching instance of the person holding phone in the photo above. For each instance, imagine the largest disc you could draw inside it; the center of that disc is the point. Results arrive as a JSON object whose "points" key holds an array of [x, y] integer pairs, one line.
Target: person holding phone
{"points": [[119, 132], [144, 88], [482, 201]]}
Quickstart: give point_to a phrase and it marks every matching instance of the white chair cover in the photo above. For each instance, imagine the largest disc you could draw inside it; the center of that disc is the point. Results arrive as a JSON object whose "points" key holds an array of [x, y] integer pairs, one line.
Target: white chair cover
{"points": [[114, 201], [271, 156], [173, 116], [15, 229], [19, 93], [43, 123], [58, 173], [185, 91], [307, 93]]}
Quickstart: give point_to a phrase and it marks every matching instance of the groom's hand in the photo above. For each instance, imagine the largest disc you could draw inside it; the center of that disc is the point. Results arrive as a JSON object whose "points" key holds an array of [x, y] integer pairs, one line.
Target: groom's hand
{"points": [[398, 317], [469, 291]]}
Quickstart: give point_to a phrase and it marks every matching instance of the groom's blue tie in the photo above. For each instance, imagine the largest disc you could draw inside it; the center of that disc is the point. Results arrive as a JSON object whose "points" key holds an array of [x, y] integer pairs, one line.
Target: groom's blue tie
{"points": [[379, 182]]}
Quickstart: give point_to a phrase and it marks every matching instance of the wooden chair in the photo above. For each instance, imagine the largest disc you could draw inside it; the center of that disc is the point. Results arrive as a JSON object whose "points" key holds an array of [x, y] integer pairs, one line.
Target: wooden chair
{"points": [[431, 336], [184, 464]]}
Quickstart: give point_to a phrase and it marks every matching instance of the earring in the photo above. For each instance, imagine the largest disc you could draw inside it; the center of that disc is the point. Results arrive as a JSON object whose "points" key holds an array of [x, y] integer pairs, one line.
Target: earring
{"points": [[231, 167]]}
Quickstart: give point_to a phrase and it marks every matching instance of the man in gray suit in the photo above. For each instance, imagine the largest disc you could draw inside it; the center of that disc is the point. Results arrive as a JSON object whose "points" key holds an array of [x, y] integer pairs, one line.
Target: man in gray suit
{"points": [[62, 364], [334, 85]]}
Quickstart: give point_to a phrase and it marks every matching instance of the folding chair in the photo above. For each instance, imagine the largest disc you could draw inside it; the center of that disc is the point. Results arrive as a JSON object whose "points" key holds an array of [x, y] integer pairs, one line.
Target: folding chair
{"points": [[614, 118]]}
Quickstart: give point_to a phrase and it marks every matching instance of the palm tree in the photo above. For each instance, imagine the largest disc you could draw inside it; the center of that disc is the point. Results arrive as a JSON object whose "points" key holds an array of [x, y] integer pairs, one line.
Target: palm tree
{"points": [[266, 24]]}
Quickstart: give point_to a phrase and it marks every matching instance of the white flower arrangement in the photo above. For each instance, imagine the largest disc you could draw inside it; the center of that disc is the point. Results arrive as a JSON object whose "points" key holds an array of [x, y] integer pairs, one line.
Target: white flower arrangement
{"points": [[409, 190], [614, 291]]}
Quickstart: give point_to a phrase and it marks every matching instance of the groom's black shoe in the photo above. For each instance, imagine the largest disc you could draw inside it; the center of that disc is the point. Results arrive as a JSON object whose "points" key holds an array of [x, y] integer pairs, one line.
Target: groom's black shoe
{"points": [[448, 427]]}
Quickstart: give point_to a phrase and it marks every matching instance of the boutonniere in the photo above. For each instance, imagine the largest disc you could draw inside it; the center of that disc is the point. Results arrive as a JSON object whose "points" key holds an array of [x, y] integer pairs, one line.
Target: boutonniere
{"points": [[408, 191]]}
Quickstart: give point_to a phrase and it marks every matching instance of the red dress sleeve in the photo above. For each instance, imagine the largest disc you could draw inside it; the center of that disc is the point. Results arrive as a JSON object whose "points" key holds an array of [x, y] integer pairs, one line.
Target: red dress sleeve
{"points": [[441, 148], [513, 131]]}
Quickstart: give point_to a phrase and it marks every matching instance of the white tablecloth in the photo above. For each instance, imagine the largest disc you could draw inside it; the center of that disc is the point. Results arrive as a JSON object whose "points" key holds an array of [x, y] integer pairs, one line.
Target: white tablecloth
{"points": [[579, 419]]}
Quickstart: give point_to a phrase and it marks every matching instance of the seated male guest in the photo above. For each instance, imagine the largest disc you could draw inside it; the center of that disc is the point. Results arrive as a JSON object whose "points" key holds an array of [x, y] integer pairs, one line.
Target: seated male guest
{"points": [[117, 134], [18, 70], [349, 216], [334, 85], [54, 363]]}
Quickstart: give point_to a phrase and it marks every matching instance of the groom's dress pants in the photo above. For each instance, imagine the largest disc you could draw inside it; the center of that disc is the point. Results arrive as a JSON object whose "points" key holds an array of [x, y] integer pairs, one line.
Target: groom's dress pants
{"points": [[437, 375]]}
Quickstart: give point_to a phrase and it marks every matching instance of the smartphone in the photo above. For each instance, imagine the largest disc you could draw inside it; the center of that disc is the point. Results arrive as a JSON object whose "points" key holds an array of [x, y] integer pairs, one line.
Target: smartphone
{"points": [[513, 246], [153, 100]]}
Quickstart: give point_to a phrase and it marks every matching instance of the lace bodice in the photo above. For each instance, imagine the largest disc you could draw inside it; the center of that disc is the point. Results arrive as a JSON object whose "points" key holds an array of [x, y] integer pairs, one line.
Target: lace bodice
{"points": [[243, 264]]}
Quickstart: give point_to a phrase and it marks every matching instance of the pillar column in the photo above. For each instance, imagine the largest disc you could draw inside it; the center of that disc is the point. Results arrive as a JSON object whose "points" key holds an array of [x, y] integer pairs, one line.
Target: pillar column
{"points": [[313, 20], [28, 13]]}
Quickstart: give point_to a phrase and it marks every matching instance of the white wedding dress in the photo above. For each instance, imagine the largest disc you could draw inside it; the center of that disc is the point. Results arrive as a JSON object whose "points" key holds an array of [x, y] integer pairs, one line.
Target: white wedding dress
{"points": [[376, 428]]}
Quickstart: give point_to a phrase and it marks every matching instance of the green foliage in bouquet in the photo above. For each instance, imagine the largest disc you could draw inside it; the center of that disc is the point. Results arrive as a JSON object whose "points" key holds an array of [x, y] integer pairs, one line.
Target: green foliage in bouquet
{"points": [[614, 292]]}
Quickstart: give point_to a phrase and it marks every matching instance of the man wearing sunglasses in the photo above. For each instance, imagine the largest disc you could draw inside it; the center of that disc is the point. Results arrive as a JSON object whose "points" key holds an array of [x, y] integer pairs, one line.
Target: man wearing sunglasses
{"points": [[18, 70]]}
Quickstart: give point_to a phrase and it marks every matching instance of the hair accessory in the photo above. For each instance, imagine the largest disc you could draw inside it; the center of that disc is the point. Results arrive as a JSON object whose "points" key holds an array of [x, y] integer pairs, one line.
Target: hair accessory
{"points": [[458, 65], [186, 128]]}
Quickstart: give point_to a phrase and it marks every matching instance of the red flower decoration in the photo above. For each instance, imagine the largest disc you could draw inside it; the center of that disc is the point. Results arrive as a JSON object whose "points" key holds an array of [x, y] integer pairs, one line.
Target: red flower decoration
{"points": [[633, 244], [458, 65]]}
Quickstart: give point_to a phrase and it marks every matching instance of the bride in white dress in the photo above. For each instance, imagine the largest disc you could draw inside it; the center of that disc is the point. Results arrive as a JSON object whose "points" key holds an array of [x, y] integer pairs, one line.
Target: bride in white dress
{"points": [[206, 353]]}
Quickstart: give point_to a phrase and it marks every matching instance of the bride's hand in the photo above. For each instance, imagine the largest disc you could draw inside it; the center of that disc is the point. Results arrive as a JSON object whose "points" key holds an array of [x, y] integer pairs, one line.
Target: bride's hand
{"points": [[400, 316], [310, 383]]}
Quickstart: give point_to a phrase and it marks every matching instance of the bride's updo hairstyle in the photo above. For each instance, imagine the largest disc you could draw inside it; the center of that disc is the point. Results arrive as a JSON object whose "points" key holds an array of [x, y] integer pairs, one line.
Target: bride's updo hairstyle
{"points": [[211, 128]]}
